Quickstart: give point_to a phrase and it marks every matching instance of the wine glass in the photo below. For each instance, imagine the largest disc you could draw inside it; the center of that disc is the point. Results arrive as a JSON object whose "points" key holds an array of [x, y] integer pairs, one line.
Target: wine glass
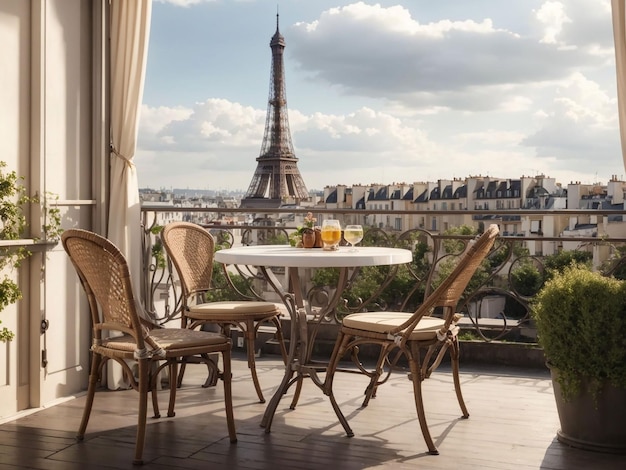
{"points": [[331, 234], [353, 235]]}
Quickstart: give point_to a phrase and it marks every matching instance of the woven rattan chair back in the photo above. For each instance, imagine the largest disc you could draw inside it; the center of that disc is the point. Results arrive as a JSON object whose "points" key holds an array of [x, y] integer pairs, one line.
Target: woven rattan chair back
{"points": [[448, 294], [104, 274], [191, 250]]}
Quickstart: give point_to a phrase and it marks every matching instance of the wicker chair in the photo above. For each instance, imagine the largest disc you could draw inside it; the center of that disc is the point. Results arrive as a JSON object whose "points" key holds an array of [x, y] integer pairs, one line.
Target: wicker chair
{"points": [[405, 334], [190, 248], [119, 333]]}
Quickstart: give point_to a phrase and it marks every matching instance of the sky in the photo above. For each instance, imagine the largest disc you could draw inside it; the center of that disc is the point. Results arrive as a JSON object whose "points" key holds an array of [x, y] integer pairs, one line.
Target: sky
{"points": [[382, 92]]}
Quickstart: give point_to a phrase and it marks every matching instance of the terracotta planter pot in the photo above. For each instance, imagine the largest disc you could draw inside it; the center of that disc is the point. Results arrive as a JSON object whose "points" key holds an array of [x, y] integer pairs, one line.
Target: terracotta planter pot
{"points": [[318, 238], [592, 425], [308, 238]]}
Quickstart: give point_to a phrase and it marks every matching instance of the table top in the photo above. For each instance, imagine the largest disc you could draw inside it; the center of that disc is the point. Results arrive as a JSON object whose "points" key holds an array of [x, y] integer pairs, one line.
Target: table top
{"points": [[290, 257]]}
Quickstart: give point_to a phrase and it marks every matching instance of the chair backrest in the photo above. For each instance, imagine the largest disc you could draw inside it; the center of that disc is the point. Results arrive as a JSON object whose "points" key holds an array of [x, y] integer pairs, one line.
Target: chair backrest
{"points": [[190, 248], [105, 277], [449, 292]]}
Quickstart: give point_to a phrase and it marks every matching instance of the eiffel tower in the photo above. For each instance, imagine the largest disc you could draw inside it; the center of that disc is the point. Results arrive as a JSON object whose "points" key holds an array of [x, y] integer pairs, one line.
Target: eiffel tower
{"points": [[277, 178]]}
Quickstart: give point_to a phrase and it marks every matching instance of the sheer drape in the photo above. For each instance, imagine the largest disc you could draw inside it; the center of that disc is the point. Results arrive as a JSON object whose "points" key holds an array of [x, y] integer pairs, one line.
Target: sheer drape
{"points": [[619, 34], [130, 31]]}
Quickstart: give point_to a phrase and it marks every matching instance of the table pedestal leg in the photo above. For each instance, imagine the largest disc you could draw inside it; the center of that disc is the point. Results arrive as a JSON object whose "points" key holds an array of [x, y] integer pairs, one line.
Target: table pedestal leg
{"points": [[295, 307], [268, 416], [300, 343]]}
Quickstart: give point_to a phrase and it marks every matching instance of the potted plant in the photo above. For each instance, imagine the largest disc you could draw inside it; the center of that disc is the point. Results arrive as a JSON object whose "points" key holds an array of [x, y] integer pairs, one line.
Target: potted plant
{"points": [[305, 236], [581, 325]]}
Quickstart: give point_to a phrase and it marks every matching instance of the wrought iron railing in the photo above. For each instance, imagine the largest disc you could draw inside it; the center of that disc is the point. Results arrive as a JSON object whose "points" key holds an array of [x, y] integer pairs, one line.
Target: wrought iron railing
{"points": [[496, 304]]}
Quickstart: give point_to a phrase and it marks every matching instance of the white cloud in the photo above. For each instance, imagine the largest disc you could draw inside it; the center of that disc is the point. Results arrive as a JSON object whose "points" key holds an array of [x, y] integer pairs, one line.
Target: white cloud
{"points": [[579, 128], [189, 147], [588, 26], [368, 50], [153, 120], [406, 94], [553, 17], [185, 3], [213, 123], [220, 135]]}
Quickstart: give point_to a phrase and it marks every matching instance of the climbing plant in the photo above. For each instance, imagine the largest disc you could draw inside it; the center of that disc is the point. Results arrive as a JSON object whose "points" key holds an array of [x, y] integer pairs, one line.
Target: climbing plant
{"points": [[13, 225]]}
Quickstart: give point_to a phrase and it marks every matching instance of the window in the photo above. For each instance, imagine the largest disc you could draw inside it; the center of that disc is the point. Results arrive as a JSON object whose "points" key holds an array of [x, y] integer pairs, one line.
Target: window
{"points": [[535, 226], [398, 223]]}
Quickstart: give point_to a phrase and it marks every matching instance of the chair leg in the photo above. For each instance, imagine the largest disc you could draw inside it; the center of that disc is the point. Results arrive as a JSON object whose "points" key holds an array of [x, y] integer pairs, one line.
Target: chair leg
{"points": [[144, 385], [173, 371], [250, 334], [212, 367], [228, 395], [94, 376], [416, 379], [280, 338], [454, 359], [154, 377], [214, 372], [340, 415], [338, 352], [370, 391], [179, 377]]}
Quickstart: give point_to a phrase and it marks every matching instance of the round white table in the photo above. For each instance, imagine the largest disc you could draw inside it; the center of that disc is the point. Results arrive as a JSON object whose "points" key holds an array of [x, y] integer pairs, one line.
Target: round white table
{"points": [[301, 341], [289, 257]]}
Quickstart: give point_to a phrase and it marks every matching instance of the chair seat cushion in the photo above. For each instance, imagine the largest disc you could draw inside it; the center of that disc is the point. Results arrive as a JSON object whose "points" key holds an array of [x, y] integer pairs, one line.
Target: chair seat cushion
{"points": [[168, 339], [382, 322], [234, 309], [175, 338]]}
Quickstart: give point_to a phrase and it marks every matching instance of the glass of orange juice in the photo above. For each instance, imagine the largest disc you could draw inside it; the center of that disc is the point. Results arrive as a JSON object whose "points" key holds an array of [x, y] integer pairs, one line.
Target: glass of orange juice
{"points": [[331, 234]]}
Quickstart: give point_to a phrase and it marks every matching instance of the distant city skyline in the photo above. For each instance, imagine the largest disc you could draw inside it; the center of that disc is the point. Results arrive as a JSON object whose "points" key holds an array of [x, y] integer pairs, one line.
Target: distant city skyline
{"points": [[382, 92]]}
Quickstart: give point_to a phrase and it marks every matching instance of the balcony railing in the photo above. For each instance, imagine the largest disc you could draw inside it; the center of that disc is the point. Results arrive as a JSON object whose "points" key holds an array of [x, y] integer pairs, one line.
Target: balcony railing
{"points": [[496, 305]]}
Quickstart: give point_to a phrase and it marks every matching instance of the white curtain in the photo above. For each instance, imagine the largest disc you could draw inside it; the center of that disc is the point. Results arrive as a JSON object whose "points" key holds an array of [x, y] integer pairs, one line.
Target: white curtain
{"points": [[130, 31], [619, 34]]}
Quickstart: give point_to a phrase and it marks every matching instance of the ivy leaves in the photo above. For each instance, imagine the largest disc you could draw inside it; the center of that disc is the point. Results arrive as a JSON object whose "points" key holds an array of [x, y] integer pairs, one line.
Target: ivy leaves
{"points": [[13, 225]]}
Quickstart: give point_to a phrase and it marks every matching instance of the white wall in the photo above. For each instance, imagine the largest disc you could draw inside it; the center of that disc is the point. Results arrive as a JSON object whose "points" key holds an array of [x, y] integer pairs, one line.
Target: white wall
{"points": [[46, 122]]}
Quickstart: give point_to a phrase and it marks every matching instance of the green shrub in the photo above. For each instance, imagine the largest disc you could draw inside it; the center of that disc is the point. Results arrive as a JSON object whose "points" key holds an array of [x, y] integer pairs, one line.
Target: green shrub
{"points": [[581, 325], [526, 279], [559, 261]]}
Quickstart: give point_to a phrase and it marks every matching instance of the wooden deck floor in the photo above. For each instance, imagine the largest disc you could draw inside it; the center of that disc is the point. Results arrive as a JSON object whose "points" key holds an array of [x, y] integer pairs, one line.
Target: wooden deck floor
{"points": [[512, 426]]}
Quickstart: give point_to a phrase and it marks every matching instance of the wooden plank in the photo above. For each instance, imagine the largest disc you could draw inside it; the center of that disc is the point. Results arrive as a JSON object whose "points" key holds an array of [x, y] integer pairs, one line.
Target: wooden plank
{"points": [[512, 425]]}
